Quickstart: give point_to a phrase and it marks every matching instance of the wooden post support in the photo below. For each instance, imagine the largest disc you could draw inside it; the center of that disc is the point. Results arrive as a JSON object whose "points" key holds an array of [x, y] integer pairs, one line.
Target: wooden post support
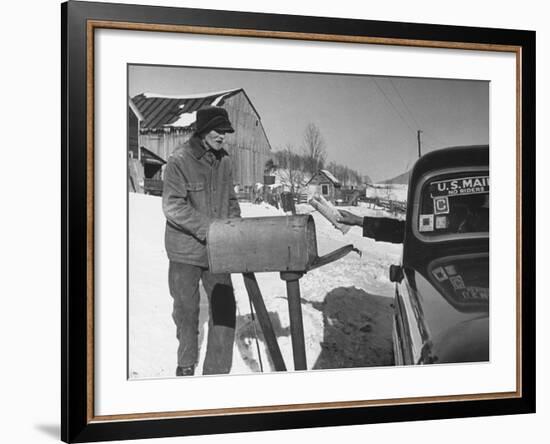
{"points": [[296, 321], [265, 323]]}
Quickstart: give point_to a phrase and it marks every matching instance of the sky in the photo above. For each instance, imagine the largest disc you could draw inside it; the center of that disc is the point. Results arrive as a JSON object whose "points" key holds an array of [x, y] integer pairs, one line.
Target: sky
{"points": [[369, 123]]}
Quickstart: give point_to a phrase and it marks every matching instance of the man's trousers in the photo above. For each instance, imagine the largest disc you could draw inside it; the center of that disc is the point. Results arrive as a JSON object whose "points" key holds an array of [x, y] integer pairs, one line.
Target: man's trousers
{"points": [[183, 281]]}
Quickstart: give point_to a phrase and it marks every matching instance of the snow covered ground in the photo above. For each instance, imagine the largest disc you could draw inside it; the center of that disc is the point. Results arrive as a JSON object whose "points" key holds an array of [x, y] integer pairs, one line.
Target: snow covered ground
{"points": [[346, 305], [396, 192]]}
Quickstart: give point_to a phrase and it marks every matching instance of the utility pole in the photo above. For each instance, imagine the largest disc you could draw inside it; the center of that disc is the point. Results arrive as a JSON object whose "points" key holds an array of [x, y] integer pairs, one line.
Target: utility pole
{"points": [[419, 143]]}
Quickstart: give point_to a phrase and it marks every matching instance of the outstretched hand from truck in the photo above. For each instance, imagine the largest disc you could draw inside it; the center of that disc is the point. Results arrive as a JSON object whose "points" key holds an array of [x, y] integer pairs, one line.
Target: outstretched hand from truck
{"points": [[348, 218]]}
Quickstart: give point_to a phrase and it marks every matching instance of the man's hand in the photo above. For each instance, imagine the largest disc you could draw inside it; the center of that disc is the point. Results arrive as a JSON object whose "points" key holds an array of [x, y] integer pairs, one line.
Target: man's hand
{"points": [[348, 218]]}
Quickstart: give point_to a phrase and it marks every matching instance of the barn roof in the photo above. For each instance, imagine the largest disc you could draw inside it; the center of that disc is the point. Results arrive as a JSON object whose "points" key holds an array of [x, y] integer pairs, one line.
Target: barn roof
{"points": [[135, 109], [160, 110]]}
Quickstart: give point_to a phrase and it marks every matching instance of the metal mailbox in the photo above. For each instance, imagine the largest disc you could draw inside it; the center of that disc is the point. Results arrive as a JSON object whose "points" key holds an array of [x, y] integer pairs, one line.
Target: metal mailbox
{"points": [[256, 244]]}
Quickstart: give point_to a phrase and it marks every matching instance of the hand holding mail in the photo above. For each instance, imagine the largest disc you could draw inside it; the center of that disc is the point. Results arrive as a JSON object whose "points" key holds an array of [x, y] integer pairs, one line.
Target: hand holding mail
{"points": [[348, 218]]}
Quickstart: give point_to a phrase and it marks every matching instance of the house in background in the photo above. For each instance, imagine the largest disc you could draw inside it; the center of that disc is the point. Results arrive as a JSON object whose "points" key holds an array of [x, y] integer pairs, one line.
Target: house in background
{"points": [[325, 184], [167, 121]]}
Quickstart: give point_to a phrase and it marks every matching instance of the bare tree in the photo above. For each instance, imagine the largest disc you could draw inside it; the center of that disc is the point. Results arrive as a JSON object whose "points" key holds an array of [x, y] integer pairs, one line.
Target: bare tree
{"points": [[292, 175], [314, 148]]}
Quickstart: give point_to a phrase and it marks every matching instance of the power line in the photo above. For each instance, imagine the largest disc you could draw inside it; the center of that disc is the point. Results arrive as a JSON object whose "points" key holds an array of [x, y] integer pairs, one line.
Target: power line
{"points": [[426, 133], [399, 114], [411, 116], [404, 104], [393, 106]]}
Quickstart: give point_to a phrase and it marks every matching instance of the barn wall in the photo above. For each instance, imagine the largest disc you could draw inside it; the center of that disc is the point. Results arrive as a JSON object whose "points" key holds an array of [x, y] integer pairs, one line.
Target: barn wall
{"points": [[248, 146], [133, 133], [164, 144], [135, 176]]}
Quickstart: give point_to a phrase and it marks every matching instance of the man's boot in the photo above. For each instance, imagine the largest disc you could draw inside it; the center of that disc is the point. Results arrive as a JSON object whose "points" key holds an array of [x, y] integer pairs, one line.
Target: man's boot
{"points": [[185, 371]]}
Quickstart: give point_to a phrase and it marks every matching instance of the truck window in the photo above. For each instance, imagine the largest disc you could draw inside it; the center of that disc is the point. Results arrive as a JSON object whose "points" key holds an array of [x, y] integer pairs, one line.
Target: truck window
{"points": [[455, 204]]}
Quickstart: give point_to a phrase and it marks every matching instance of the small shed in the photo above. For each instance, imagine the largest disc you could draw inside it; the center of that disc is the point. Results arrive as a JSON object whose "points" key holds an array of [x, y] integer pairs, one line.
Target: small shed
{"points": [[325, 184]]}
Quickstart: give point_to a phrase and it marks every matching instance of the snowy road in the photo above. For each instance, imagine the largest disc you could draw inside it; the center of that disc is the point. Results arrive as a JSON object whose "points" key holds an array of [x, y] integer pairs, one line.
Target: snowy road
{"points": [[346, 305]]}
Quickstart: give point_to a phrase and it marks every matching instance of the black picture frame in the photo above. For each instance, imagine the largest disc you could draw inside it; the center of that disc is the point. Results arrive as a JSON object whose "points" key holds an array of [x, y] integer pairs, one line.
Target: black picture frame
{"points": [[79, 19]]}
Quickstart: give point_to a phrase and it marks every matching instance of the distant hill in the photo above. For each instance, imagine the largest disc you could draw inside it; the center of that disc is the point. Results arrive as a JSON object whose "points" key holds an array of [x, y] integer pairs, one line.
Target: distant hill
{"points": [[401, 179]]}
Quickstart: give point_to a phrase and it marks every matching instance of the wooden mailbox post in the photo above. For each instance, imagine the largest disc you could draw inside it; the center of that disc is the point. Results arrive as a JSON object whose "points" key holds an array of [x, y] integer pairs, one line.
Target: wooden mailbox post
{"points": [[284, 244]]}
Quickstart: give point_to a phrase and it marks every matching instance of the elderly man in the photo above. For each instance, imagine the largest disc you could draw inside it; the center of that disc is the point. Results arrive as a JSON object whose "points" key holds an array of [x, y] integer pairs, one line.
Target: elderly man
{"points": [[198, 187]]}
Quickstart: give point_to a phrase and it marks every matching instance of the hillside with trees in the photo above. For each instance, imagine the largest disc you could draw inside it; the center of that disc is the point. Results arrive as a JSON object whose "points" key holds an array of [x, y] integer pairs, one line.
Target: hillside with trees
{"points": [[402, 179]]}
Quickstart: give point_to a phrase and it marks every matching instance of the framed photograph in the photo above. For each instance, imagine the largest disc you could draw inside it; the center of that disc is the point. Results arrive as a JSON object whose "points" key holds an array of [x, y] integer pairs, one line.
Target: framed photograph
{"points": [[275, 221]]}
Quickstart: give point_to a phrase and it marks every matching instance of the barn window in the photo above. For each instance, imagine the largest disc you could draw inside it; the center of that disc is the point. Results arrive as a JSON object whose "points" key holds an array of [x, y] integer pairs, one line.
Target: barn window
{"points": [[324, 189], [256, 122]]}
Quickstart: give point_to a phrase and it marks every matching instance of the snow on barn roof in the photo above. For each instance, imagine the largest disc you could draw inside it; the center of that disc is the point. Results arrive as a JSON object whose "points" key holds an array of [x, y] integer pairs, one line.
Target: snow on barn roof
{"points": [[152, 95], [160, 110], [184, 120], [330, 176]]}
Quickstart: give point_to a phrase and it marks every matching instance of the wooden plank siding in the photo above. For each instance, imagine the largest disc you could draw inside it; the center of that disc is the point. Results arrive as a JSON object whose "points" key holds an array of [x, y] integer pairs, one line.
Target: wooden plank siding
{"points": [[248, 145], [164, 143]]}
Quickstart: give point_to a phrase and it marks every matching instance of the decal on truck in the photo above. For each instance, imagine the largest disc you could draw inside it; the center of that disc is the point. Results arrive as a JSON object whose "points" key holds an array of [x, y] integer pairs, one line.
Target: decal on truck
{"points": [[460, 186]]}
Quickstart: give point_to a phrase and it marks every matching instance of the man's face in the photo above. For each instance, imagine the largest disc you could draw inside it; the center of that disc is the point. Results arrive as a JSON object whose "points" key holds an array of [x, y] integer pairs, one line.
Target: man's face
{"points": [[214, 139]]}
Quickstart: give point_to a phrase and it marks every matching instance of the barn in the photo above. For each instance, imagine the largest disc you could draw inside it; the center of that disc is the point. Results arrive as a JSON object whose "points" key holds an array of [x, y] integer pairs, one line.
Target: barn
{"points": [[168, 121], [324, 183]]}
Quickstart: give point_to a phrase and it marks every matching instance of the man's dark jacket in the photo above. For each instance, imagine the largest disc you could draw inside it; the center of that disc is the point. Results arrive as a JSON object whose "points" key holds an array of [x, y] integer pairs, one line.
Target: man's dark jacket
{"points": [[384, 229]]}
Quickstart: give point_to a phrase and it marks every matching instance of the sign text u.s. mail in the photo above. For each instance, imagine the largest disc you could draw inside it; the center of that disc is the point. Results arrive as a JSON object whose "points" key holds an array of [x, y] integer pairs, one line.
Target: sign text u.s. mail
{"points": [[460, 186]]}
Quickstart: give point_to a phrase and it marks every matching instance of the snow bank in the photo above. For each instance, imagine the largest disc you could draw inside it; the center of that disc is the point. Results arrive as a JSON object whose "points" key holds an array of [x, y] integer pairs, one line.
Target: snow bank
{"points": [[346, 304], [395, 192]]}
